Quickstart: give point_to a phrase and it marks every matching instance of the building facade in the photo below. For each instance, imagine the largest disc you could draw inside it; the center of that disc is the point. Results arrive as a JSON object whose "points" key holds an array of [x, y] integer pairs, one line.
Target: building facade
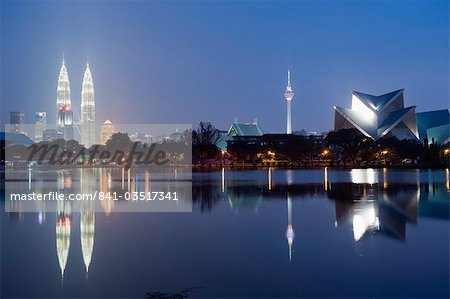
{"points": [[250, 129], [64, 113], [40, 123], [434, 126], [17, 122], [378, 116], [107, 130], [87, 123]]}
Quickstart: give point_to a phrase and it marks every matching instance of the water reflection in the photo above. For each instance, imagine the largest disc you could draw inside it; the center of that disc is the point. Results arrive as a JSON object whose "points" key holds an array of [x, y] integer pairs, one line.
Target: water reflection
{"points": [[447, 178], [87, 231], [370, 204], [105, 188], [365, 218], [64, 221], [367, 204], [63, 228], [223, 179], [269, 177], [87, 216], [290, 230], [363, 176]]}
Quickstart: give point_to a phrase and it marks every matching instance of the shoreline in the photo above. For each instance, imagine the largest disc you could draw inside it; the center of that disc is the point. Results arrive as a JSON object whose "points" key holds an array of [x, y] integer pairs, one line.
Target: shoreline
{"points": [[206, 168]]}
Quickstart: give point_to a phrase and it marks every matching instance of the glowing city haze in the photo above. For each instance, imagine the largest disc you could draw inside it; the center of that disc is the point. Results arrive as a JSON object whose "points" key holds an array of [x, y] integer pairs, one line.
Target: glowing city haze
{"points": [[161, 62]]}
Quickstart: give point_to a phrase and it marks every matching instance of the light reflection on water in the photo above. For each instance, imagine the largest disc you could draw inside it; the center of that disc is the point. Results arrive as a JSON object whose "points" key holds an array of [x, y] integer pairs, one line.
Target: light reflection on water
{"points": [[370, 204]]}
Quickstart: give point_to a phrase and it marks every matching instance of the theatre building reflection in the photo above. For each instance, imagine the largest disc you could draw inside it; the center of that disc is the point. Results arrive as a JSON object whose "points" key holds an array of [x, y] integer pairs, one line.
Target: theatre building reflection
{"points": [[371, 210], [368, 203]]}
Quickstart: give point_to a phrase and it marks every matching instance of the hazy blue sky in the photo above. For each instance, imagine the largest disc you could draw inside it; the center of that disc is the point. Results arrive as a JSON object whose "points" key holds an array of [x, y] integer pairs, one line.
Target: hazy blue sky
{"points": [[176, 62]]}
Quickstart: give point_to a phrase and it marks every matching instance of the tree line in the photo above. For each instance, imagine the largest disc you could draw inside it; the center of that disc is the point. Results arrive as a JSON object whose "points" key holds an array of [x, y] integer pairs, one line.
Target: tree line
{"points": [[346, 147]]}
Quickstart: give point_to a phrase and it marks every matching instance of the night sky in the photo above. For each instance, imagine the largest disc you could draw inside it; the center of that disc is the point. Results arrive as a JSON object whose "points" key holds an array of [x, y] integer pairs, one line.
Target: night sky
{"points": [[176, 62]]}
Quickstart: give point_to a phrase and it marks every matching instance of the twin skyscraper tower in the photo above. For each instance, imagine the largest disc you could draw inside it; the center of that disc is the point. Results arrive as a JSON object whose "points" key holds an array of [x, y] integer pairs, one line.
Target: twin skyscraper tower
{"points": [[64, 114]]}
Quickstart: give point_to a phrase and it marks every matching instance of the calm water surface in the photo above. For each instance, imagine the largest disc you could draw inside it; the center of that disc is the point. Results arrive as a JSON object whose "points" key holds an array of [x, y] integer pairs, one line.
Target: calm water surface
{"points": [[260, 233]]}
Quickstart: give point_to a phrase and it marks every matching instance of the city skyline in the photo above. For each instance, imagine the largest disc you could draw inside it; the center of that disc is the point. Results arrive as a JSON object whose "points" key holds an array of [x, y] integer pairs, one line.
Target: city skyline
{"points": [[236, 70]]}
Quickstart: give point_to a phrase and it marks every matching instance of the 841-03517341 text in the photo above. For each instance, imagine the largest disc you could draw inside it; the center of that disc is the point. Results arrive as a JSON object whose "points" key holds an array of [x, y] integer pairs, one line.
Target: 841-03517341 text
{"points": [[138, 195]]}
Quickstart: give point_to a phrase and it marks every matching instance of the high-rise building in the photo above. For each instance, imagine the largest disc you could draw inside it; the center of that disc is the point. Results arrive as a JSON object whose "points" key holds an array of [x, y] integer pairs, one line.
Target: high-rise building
{"points": [[106, 131], [288, 95], [40, 124], [64, 114], [87, 123], [65, 118], [17, 122]]}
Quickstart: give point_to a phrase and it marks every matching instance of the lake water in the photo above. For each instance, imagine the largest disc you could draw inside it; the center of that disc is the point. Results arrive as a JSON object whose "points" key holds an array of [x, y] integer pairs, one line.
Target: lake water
{"points": [[253, 233]]}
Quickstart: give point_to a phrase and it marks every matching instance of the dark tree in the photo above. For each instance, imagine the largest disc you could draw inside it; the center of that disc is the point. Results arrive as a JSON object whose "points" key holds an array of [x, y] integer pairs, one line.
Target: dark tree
{"points": [[119, 141], [204, 140], [349, 142], [206, 134], [73, 146]]}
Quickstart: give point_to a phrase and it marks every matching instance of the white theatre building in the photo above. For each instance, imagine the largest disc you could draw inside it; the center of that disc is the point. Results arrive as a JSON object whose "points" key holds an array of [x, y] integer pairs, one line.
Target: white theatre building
{"points": [[378, 116]]}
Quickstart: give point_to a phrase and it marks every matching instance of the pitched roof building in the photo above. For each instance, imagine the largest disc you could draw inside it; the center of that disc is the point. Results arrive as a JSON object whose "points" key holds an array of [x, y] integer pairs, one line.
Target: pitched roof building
{"points": [[245, 129]]}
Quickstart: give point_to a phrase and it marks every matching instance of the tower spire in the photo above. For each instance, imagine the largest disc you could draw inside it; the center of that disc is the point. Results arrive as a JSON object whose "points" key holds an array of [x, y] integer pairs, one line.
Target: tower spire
{"points": [[64, 114], [289, 78], [288, 95]]}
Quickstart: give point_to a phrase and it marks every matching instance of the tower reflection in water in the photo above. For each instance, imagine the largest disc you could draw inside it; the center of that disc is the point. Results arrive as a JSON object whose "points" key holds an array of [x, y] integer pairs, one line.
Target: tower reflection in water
{"points": [[87, 218], [105, 187], [290, 230], [64, 219], [366, 199], [63, 227]]}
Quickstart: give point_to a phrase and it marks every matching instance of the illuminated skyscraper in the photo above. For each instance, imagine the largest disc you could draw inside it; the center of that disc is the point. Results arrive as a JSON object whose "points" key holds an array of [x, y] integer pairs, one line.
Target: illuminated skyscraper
{"points": [[106, 131], [87, 109], [39, 125], [288, 95], [64, 114], [17, 122]]}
